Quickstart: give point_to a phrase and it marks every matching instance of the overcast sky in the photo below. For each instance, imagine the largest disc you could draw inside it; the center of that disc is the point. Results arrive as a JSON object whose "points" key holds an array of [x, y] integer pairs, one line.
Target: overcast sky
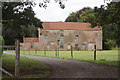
{"points": [[54, 13]]}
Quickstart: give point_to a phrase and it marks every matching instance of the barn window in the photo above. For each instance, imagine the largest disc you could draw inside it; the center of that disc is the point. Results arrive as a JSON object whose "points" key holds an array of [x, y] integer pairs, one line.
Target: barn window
{"points": [[69, 44], [40, 33], [31, 45], [96, 35], [76, 36], [61, 45], [46, 35], [62, 35], [76, 45]]}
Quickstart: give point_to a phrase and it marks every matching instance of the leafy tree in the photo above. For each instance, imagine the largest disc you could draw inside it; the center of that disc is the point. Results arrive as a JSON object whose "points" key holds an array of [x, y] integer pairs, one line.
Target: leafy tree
{"points": [[30, 31], [74, 16], [109, 44], [17, 15], [108, 17], [110, 36]]}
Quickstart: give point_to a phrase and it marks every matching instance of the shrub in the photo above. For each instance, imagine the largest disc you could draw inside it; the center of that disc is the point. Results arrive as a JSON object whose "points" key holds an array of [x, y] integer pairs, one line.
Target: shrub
{"points": [[1, 41], [76, 48], [110, 43]]}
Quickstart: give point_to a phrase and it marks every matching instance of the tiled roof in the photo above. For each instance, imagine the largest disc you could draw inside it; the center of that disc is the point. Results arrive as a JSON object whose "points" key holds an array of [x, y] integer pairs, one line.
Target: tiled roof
{"points": [[30, 40], [67, 26]]}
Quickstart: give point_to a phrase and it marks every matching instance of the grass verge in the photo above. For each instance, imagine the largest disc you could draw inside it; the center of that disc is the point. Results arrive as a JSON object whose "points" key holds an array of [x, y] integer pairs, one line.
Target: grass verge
{"points": [[29, 68]]}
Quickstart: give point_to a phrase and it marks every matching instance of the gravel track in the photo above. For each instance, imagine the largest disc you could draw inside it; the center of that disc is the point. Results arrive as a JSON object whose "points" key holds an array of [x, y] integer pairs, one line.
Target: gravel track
{"points": [[63, 68]]}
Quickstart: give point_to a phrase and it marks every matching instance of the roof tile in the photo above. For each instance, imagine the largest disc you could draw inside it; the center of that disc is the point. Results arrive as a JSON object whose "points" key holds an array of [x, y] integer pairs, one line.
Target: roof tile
{"points": [[30, 40], [67, 26]]}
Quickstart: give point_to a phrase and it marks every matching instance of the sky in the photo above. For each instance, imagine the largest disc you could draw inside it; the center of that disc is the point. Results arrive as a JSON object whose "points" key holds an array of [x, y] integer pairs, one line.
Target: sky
{"points": [[53, 13]]}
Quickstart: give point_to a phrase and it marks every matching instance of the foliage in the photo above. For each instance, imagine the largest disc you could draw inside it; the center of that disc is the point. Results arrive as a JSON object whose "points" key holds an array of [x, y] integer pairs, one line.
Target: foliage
{"points": [[2, 40], [108, 17], [110, 33], [17, 15], [110, 43], [75, 16], [30, 31]]}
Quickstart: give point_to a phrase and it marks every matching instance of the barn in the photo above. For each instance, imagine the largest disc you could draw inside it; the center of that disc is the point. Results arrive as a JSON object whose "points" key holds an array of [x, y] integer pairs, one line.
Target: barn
{"points": [[64, 35]]}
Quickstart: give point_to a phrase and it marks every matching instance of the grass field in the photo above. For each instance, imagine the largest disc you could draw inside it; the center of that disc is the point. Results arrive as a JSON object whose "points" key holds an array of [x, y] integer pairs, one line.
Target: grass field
{"points": [[29, 68], [108, 57]]}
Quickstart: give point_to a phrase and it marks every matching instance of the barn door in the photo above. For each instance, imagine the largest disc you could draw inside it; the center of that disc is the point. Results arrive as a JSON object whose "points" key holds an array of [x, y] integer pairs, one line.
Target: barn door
{"points": [[91, 46], [68, 46]]}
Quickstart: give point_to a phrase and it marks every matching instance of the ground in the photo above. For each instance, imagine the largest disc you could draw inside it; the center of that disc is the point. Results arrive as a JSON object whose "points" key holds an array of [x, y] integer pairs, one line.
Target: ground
{"points": [[63, 68]]}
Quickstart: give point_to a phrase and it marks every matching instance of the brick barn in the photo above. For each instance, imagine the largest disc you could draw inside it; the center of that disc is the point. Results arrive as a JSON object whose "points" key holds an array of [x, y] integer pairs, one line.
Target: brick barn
{"points": [[79, 35]]}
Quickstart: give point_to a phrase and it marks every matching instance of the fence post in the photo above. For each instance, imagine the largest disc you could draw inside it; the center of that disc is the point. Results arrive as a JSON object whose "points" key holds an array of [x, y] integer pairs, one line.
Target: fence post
{"points": [[56, 52], [71, 52], [17, 59], [35, 51], [94, 52], [44, 51]]}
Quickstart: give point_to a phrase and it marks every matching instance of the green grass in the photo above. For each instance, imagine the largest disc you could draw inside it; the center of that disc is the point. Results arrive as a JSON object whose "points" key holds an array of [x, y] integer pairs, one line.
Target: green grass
{"points": [[108, 57], [29, 68]]}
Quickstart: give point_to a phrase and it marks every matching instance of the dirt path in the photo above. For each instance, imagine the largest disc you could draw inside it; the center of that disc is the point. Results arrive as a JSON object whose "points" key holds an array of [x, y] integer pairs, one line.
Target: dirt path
{"points": [[63, 68]]}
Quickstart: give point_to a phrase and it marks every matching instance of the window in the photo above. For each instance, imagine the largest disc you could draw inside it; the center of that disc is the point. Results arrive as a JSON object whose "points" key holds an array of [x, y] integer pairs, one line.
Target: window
{"points": [[48, 47], [46, 35], [62, 35], [96, 35], [76, 45], [31, 45], [61, 45], [84, 43], [76, 36], [69, 44], [40, 33]]}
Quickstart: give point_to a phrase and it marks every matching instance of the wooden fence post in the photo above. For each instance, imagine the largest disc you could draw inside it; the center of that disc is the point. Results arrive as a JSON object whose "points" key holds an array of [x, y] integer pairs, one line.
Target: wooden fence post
{"points": [[35, 51], [94, 52], [71, 52], [44, 51], [17, 59], [56, 52]]}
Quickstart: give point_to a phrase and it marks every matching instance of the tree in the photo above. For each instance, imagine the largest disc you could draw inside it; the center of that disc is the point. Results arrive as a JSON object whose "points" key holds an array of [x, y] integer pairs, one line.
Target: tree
{"points": [[108, 17], [15, 17], [30, 31], [75, 16]]}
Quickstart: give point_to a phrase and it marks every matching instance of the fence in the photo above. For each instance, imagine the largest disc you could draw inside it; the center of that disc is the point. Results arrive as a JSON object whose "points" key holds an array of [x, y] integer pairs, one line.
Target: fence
{"points": [[55, 53]]}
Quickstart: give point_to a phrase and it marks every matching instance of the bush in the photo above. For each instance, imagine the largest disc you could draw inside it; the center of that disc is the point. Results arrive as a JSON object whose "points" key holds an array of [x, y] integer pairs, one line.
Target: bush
{"points": [[110, 44], [1, 41], [76, 48]]}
